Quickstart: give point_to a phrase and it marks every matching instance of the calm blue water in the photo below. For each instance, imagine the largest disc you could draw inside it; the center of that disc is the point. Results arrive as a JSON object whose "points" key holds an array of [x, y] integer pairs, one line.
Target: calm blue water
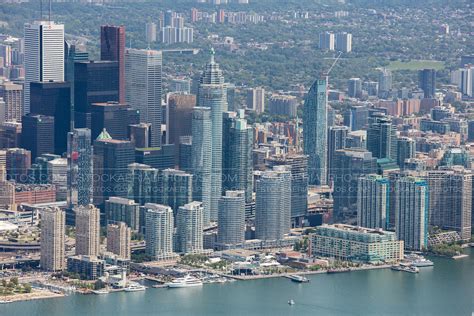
{"points": [[445, 289]]}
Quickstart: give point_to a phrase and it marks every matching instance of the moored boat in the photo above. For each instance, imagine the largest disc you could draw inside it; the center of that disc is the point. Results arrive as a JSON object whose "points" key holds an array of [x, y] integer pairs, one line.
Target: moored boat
{"points": [[187, 281]]}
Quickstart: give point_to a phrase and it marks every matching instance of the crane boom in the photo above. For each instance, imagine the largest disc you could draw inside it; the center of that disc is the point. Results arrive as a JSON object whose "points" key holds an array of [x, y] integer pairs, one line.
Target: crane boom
{"points": [[333, 64]]}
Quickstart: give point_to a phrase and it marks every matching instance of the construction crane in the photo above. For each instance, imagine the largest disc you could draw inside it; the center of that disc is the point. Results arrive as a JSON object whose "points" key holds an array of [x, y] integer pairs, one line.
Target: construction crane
{"points": [[325, 74]]}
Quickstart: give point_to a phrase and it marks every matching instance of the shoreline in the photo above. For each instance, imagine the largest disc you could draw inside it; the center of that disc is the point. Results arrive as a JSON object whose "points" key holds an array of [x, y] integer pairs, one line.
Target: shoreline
{"points": [[36, 294]]}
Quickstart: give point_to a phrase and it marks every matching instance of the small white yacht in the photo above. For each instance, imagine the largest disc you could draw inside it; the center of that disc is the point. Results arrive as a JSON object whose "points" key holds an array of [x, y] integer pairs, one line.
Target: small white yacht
{"points": [[134, 287]]}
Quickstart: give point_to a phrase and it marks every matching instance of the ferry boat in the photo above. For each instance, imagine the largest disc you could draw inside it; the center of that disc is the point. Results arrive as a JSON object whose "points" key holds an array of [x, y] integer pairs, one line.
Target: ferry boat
{"points": [[405, 268], [187, 281], [298, 278], [134, 287]]}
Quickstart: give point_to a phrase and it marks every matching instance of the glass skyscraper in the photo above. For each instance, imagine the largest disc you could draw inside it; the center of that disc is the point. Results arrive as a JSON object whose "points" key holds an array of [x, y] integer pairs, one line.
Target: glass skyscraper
{"points": [[315, 131]]}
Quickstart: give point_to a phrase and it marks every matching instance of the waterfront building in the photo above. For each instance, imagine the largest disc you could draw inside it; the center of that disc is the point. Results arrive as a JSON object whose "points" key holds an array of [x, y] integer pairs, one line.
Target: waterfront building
{"points": [[373, 201], [112, 47], [53, 235], [189, 228], [411, 212], [358, 244], [315, 132], [213, 94], [87, 230], [273, 204], [118, 239], [231, 219], [159, 226], [44, 55], [143, 85], [201, 158], [87, 267], [124, 210]]}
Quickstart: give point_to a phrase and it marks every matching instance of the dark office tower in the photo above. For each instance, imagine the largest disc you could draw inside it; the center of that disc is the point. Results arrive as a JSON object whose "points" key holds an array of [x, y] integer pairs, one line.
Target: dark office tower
{"points": [[180, 117], [143, 184], [18, 161], [237, 162], [94, 82], [111, 160], [349, 165], [406, 150], [73, 53], [337, 136], [427, 82], [159, 158], [10, 134], [37, 134], [315, 131], [185, 153], [176, 188], [356, 117], [382, 137], [114, 117], [298, 167], [112, 47], [80, 172], [139, 134], [53, 99]]}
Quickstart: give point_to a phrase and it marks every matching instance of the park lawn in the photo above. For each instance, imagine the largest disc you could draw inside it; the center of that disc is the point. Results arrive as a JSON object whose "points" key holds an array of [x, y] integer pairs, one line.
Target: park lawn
{"points": [[415, 65]]}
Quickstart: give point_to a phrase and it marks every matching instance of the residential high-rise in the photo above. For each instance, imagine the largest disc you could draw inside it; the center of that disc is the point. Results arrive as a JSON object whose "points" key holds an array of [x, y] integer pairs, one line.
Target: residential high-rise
{"points": [[237, 164], [427, 82], [256, 99], [343, 42], [337, 136], [150, 32], [411, 212], [201, 158], [349, 165], [273, 204], [315, 131], [466, 84], [176, 188], [326, 41], [354, 87], [112, 47], [406, 150], [385, 82], [53, 98], [123, 210], [298, 167], [143, 183], [87, 230], [44, 55], [143, 87], [450, 200], [356, 117], [111, 159], [190, 228], [53, 235], [231, 219], [382, 137], [286, 105], [159, 224], [37, 134], [10, 134], [94, 82], [118, 240], [373, 201], [57, 176], [80, 167], [180, 117], [12, 95], [213, 94]]}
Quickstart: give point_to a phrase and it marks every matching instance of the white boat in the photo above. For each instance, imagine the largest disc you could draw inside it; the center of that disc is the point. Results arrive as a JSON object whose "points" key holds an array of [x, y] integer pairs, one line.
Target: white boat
{"points": [[134, 287], [101, 291], [298, 278], [291, 302], [422, 263], [187, 281], [406, 268]]}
